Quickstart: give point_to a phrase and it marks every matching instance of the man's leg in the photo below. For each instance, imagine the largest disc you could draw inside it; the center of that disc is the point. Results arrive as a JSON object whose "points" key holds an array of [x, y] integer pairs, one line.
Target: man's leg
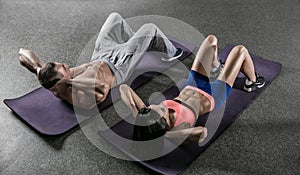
{"points": [[115, 30], [148, 38]]}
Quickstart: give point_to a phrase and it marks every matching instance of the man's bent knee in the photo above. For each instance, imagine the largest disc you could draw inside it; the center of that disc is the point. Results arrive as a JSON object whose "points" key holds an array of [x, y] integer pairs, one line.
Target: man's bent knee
{"points": [[115, 15], [149, 26]]}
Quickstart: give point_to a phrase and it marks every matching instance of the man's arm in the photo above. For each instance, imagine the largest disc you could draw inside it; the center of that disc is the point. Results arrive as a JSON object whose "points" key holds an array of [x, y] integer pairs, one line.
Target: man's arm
{"points": [[29, 60], [85, 93]]}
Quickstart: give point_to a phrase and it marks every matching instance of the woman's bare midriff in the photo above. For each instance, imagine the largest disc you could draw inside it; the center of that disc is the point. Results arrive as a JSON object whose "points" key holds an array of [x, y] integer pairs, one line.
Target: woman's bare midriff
{"points": [[196, 100]]}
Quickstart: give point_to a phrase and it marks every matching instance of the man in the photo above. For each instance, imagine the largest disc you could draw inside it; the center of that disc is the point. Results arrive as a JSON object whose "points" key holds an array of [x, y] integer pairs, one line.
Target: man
{"points": [[117, 51]]}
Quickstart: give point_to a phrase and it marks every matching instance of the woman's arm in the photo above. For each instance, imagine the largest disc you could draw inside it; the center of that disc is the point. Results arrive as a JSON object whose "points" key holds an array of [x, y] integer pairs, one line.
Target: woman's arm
{"points": [[196, 134], [131, 99]]}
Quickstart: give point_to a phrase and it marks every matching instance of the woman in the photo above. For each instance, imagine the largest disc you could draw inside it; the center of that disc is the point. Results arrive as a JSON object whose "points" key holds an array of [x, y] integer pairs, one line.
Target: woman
{"points": [[175, 119]]}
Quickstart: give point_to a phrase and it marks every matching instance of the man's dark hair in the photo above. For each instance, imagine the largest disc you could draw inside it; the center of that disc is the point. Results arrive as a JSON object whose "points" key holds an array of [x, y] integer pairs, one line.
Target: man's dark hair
{"points": [[149, 125], [47, 76]]}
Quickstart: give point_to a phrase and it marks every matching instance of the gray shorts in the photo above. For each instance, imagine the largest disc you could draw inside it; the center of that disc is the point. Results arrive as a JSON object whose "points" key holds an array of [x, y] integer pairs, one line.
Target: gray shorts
{"points": [[122, 49]]}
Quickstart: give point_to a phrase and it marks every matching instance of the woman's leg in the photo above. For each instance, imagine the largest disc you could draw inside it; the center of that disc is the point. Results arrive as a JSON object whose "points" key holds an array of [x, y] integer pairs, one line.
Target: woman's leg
{"points": [[206, 56], [238, 60]]}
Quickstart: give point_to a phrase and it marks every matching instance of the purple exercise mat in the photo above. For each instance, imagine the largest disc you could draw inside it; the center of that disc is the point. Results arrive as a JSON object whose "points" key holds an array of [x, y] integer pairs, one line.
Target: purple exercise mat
{"points": [[181, 157], [51, 116]]}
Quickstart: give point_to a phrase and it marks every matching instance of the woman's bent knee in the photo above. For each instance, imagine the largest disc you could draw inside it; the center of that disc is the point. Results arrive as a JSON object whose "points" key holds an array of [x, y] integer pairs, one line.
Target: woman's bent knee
{"points": [[212, 39], [240, 48]]}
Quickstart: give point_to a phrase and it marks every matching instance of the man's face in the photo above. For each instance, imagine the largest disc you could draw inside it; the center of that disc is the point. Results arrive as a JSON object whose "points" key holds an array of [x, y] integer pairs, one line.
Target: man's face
{"points": [[63, 70]]}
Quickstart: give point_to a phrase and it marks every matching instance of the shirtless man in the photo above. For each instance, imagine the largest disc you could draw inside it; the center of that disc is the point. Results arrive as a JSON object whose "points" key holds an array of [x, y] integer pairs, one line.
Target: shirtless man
{"points": [[118, 49]]}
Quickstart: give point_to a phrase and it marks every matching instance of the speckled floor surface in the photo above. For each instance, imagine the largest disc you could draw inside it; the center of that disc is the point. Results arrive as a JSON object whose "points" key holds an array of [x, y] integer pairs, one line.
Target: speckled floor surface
{"points": [[265, 139]]}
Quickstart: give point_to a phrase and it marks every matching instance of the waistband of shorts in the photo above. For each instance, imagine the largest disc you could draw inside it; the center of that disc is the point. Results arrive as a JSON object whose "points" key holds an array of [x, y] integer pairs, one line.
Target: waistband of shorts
{"points": [[208, 96]]}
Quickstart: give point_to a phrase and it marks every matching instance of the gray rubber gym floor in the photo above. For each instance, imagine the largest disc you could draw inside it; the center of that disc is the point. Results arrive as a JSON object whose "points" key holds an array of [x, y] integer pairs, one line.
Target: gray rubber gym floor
{"points": [[265, 139]]}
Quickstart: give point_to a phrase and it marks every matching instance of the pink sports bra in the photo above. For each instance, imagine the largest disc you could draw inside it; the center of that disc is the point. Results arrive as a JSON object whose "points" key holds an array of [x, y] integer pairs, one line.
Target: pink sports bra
{"points": [[184, 113]]}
